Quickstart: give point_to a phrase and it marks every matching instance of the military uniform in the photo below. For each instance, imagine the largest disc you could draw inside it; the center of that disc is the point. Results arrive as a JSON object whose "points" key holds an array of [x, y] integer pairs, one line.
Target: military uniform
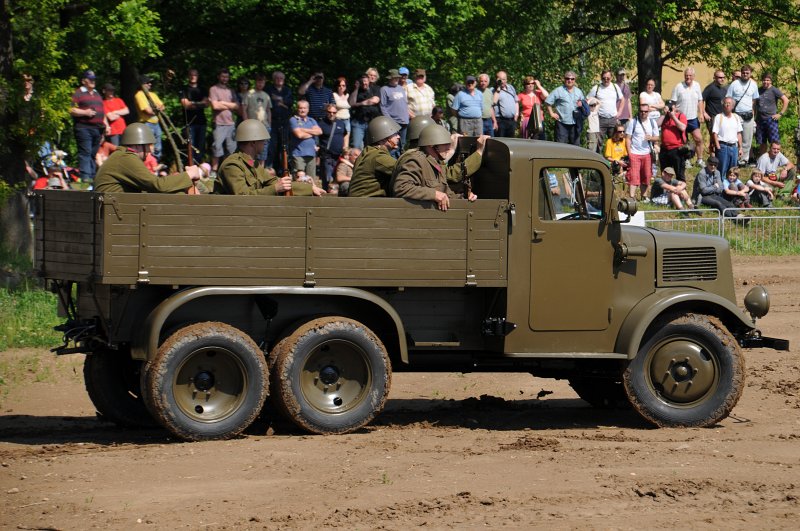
{"points": [[124, 171], [420, 176], [239, 175], [372, 173]]}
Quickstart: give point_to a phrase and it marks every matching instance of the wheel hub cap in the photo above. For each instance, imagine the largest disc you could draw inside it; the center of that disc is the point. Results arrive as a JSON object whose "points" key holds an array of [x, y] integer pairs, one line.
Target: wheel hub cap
{"points": [[329, 375], [204, 381], [682, 372]]}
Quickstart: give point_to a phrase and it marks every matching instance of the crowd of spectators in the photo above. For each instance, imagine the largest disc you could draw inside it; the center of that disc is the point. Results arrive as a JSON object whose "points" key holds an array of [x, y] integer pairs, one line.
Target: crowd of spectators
{"points": [[318, 127]]}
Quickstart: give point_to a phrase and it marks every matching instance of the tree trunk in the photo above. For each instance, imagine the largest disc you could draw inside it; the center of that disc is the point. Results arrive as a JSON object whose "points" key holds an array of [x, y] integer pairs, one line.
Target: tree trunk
{"points": [[648, 55]]}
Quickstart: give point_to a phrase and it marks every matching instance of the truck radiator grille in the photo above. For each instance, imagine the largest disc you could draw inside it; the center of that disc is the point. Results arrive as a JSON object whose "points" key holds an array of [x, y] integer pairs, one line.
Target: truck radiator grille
{"points": [[690, 264]]}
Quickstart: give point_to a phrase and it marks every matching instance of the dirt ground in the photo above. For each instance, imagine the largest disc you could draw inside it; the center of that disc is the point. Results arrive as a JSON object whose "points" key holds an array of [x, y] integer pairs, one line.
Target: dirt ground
{"points": [[449, 451]]}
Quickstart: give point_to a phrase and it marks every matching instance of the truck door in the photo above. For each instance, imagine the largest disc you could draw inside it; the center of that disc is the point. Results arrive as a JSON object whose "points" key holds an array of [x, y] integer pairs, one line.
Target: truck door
{"points": [[571, 255]]}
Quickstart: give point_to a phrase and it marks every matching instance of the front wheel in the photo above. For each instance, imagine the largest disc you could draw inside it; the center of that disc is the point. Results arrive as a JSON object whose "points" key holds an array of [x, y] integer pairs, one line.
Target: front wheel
{"points": [[207, 381], [689, 373], [332, 375]]}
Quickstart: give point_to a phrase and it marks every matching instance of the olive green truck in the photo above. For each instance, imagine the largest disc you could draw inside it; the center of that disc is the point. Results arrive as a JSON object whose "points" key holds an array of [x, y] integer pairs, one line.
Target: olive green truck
{"points": [[196, 312]]}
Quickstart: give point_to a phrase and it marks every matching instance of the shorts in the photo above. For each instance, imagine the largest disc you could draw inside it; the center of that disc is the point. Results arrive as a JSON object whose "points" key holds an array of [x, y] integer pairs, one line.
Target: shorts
{"points": [[767, 130], [692, 124], [224, 139], [640, 170]]}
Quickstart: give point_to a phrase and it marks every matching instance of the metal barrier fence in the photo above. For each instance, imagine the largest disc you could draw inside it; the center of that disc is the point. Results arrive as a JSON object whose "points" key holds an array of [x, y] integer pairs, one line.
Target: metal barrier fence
{"points": [[749, 230]]}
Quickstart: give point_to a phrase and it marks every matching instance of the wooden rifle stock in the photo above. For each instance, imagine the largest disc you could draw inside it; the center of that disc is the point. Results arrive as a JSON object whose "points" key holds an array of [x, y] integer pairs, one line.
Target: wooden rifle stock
{"points": [[285, 158]]}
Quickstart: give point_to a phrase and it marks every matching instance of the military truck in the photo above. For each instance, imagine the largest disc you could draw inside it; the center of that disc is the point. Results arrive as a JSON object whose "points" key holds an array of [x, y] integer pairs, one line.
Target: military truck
{"points": [[195, 311]]}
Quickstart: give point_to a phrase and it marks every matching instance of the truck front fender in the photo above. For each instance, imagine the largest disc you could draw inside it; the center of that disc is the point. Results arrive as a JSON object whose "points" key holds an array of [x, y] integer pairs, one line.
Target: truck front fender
{"points": [[661, 301], [145, 345]]}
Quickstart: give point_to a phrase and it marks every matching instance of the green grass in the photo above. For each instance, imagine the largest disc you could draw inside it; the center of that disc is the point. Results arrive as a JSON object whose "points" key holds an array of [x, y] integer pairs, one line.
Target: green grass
{"points": [[27, 318]]}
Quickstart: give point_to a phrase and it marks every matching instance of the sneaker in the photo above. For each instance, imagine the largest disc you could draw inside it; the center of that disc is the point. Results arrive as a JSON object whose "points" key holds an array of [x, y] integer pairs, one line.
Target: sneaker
{"points": [[212, 175], [742, 163], [701, 163], [645, 200], [688, 164]]}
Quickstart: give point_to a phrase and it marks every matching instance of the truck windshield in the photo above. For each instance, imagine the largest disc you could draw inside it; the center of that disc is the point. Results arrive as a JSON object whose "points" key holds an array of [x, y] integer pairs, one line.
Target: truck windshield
{"points": [[572, 193]]}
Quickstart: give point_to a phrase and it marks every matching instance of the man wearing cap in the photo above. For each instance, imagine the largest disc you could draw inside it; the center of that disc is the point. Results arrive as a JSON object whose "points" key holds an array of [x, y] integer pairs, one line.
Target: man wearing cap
{"points": [[627, 110], [708, 189], [404, 73], [422, 174], [90, 123], [124, 170], [394, 104], [317, 94], [147, 114], [421, 98], [364, 106], [372, 171], [115, 109], [667, 190], [468, 103], [239, 174], [506, 105]]}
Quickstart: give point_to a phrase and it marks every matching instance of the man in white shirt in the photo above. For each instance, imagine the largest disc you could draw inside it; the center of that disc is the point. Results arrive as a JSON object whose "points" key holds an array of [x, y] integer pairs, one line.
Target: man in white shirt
{"points": [[611, 102], [726, 135], [744, 91], [640, 133], [688, 97], [777, 169]]}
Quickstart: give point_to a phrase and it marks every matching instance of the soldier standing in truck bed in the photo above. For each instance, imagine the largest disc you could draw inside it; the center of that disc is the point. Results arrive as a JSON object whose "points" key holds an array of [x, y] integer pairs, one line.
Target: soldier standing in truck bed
{"points": [[124, 170], [422, 175], [372, 171], [239, 174]]}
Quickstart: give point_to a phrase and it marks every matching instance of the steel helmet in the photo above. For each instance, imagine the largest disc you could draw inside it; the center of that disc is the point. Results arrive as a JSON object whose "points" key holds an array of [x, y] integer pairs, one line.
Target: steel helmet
{"points": [[381, 127], [251, 130], [434, 135], [416, 125], [137, 134]]}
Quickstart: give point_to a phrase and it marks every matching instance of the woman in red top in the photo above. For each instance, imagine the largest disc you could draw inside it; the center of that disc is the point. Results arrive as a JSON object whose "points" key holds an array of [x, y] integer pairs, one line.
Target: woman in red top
{"points": [[532, 95], [115, 109]]}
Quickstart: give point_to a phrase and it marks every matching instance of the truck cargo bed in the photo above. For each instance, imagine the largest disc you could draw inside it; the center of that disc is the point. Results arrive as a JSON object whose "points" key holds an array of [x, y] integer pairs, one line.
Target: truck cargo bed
{"points": [[237, 240]]}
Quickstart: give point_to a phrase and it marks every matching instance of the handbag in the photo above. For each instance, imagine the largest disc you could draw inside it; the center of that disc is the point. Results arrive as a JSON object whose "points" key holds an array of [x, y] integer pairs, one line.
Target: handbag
{"points": [[581, 112]]}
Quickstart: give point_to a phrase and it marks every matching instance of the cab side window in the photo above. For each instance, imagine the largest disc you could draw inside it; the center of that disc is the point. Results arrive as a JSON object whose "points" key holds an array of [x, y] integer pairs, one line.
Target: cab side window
{"points": [[572, 193]]}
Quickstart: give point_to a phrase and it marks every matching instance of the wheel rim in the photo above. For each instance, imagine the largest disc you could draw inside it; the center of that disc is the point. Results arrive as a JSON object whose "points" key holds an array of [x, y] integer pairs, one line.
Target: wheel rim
{"points": [[682, 372], [336, 376], [210, 385]]}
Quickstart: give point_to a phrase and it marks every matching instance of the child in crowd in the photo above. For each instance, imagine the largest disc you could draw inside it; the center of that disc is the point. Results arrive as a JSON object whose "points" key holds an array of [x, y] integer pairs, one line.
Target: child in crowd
{"points": [[667, 189], [735, 190], [760, 192]]}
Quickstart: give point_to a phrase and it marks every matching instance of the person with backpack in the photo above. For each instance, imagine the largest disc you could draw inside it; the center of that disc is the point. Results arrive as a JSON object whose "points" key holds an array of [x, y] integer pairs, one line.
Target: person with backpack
{"points": [[641, 134], [611, 101]]}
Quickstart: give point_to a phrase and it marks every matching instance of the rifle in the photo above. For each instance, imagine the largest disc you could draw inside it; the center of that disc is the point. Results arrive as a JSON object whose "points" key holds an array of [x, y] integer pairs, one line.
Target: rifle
{"points": [[170, 129], [285, 158]]}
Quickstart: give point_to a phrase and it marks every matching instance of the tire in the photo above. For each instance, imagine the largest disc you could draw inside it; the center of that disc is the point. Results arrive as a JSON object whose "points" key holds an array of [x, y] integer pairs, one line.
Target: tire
{"points": [[332, 375], [690, 373], [207, 381], [112, 382], [601, 393]]}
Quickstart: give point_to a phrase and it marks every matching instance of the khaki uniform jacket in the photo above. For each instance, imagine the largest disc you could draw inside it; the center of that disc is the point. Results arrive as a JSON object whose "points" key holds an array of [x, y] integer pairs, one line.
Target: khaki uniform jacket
{"points": [[239, 175], [419, 176], [372, 173], [124, 171]]}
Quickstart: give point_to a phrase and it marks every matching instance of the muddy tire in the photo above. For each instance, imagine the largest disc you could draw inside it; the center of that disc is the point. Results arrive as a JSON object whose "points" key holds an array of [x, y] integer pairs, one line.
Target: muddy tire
{"points": [[601, 393], [689, 373], [207, 381], [332, 375], [112, 382]]}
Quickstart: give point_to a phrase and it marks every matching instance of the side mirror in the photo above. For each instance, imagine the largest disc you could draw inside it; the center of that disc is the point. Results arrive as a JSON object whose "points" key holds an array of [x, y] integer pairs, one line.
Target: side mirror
{"points": [[627, 206]]}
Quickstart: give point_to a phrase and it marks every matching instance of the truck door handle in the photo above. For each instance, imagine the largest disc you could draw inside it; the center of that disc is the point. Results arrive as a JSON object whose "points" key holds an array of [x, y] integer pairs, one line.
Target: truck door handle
{"points": [[537, 233]]}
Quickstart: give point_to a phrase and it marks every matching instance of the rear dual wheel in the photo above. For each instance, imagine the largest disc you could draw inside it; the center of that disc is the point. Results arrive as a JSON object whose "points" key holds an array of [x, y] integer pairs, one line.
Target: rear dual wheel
{"points": [[112, 382], [331, 375], [207, 381]]}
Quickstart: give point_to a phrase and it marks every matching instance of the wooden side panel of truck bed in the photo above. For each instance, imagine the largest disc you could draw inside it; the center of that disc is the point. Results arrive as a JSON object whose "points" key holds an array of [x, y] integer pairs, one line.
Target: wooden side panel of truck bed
{"points": [[227, 240]]}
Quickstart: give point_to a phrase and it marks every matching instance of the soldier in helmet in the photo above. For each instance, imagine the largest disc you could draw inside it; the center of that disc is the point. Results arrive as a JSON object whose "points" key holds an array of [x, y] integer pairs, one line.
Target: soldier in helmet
{"points": [[415, 127], [124, 170], [422, 174], [239, 174], [373, 169]]}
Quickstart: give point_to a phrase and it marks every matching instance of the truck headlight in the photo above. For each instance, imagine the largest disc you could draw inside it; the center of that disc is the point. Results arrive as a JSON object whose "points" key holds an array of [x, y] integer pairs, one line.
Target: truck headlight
{"points": [[757, 302]]}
